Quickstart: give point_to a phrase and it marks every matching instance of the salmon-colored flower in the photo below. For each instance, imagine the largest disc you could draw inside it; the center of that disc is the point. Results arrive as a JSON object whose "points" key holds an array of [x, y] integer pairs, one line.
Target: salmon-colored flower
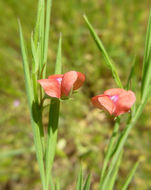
{"points": [[58, 86], [116, 101]]}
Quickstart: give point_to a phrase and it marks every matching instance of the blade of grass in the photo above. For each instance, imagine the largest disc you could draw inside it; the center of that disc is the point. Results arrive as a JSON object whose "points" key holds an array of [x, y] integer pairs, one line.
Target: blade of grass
{"points": [[53, 123], [109, 150], [51, 184], [42, 33], [37, 26], [57, 186], [87, 183], [131, 74], [11, 153], [35, 56], [146, 77], [79, 180], [130, 176], [36, 109], [58, 58], [100, 45], [47, 28], [25, 67], [121, 141], [35, 127], [111, 183]]}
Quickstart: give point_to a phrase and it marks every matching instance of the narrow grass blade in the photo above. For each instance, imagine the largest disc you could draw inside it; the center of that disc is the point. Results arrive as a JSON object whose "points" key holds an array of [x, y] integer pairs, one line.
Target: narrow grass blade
{"points": [[100, 45], [79, 180], [11, 153], [25, 67], [131, 74], [87, 183], [37, 26], [52, 137], [121, 141], [35, 127], [53, 123], [35, 65], [146, 77], [47, 27], [130, 176], [109, 150], [58, 59], [51, 184], [111, 182], [42, 33], [57, 186]]}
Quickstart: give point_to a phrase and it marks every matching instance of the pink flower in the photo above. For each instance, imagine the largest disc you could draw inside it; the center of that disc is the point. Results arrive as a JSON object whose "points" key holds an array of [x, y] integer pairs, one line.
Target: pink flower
{"points": [[58, 86], [116, 101]]}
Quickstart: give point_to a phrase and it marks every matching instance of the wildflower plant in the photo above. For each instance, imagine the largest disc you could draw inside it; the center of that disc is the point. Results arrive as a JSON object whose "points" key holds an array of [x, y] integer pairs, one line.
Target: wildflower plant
{"points": [[58, 87]]}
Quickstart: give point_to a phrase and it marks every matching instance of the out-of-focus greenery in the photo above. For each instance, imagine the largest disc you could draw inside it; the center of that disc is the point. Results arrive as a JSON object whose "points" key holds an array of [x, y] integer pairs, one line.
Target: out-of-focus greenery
{"points": [[122, 27]]}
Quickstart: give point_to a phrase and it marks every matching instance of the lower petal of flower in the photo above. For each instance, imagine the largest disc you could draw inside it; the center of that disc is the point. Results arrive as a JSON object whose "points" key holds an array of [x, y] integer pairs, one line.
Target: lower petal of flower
{"points": [[104, 102], [51, 87]]}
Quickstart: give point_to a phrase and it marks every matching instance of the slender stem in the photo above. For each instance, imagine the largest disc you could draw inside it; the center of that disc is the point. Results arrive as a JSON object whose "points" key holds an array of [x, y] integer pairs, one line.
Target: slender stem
{"points": [[109, 150], [52, 138], [37, 111], [48, 13], [121, 141]]}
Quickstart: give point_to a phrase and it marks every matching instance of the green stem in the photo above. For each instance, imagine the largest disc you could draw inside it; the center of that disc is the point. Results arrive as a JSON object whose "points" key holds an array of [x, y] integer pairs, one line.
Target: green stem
{"points": [[109, 150], [121, 142], [37, 111], [52, 138]]}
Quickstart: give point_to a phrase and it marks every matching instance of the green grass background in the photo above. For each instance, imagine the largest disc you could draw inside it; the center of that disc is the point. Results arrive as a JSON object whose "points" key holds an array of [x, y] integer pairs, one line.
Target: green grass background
{"points": [[84, 131]]}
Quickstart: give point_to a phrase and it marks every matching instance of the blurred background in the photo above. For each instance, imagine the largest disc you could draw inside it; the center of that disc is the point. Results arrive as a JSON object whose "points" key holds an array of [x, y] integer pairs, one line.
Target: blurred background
{"points": [[84, 131]]}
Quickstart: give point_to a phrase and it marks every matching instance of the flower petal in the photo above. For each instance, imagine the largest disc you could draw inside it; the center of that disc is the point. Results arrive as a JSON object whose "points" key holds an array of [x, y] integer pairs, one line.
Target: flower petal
{"points": [[71, 80], [55, 76], [114, 91], [124, 102], [103, 102], [51, 87]]}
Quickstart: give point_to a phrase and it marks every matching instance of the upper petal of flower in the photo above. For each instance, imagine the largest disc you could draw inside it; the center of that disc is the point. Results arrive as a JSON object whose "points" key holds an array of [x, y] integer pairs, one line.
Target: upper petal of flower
{"points": [[104, 102], [51, 87], [58, 77], [71, 80], [124, 102], [55, 76], [114, 91]]}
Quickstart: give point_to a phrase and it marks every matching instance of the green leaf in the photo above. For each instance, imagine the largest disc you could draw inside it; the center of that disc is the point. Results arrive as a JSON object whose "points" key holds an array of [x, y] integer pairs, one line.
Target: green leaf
{"points": [[131, 74], [52, 137], [109, 150], [51, 184], [47, 27], [29, 90], [42, 33], [146, 76], [87, 183], [58, 66], [25, 67], [130, 176], [37, 26], [35, 64], [57, 186], [11, 153], [111, 182], [79, 180], [100, 45]]}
